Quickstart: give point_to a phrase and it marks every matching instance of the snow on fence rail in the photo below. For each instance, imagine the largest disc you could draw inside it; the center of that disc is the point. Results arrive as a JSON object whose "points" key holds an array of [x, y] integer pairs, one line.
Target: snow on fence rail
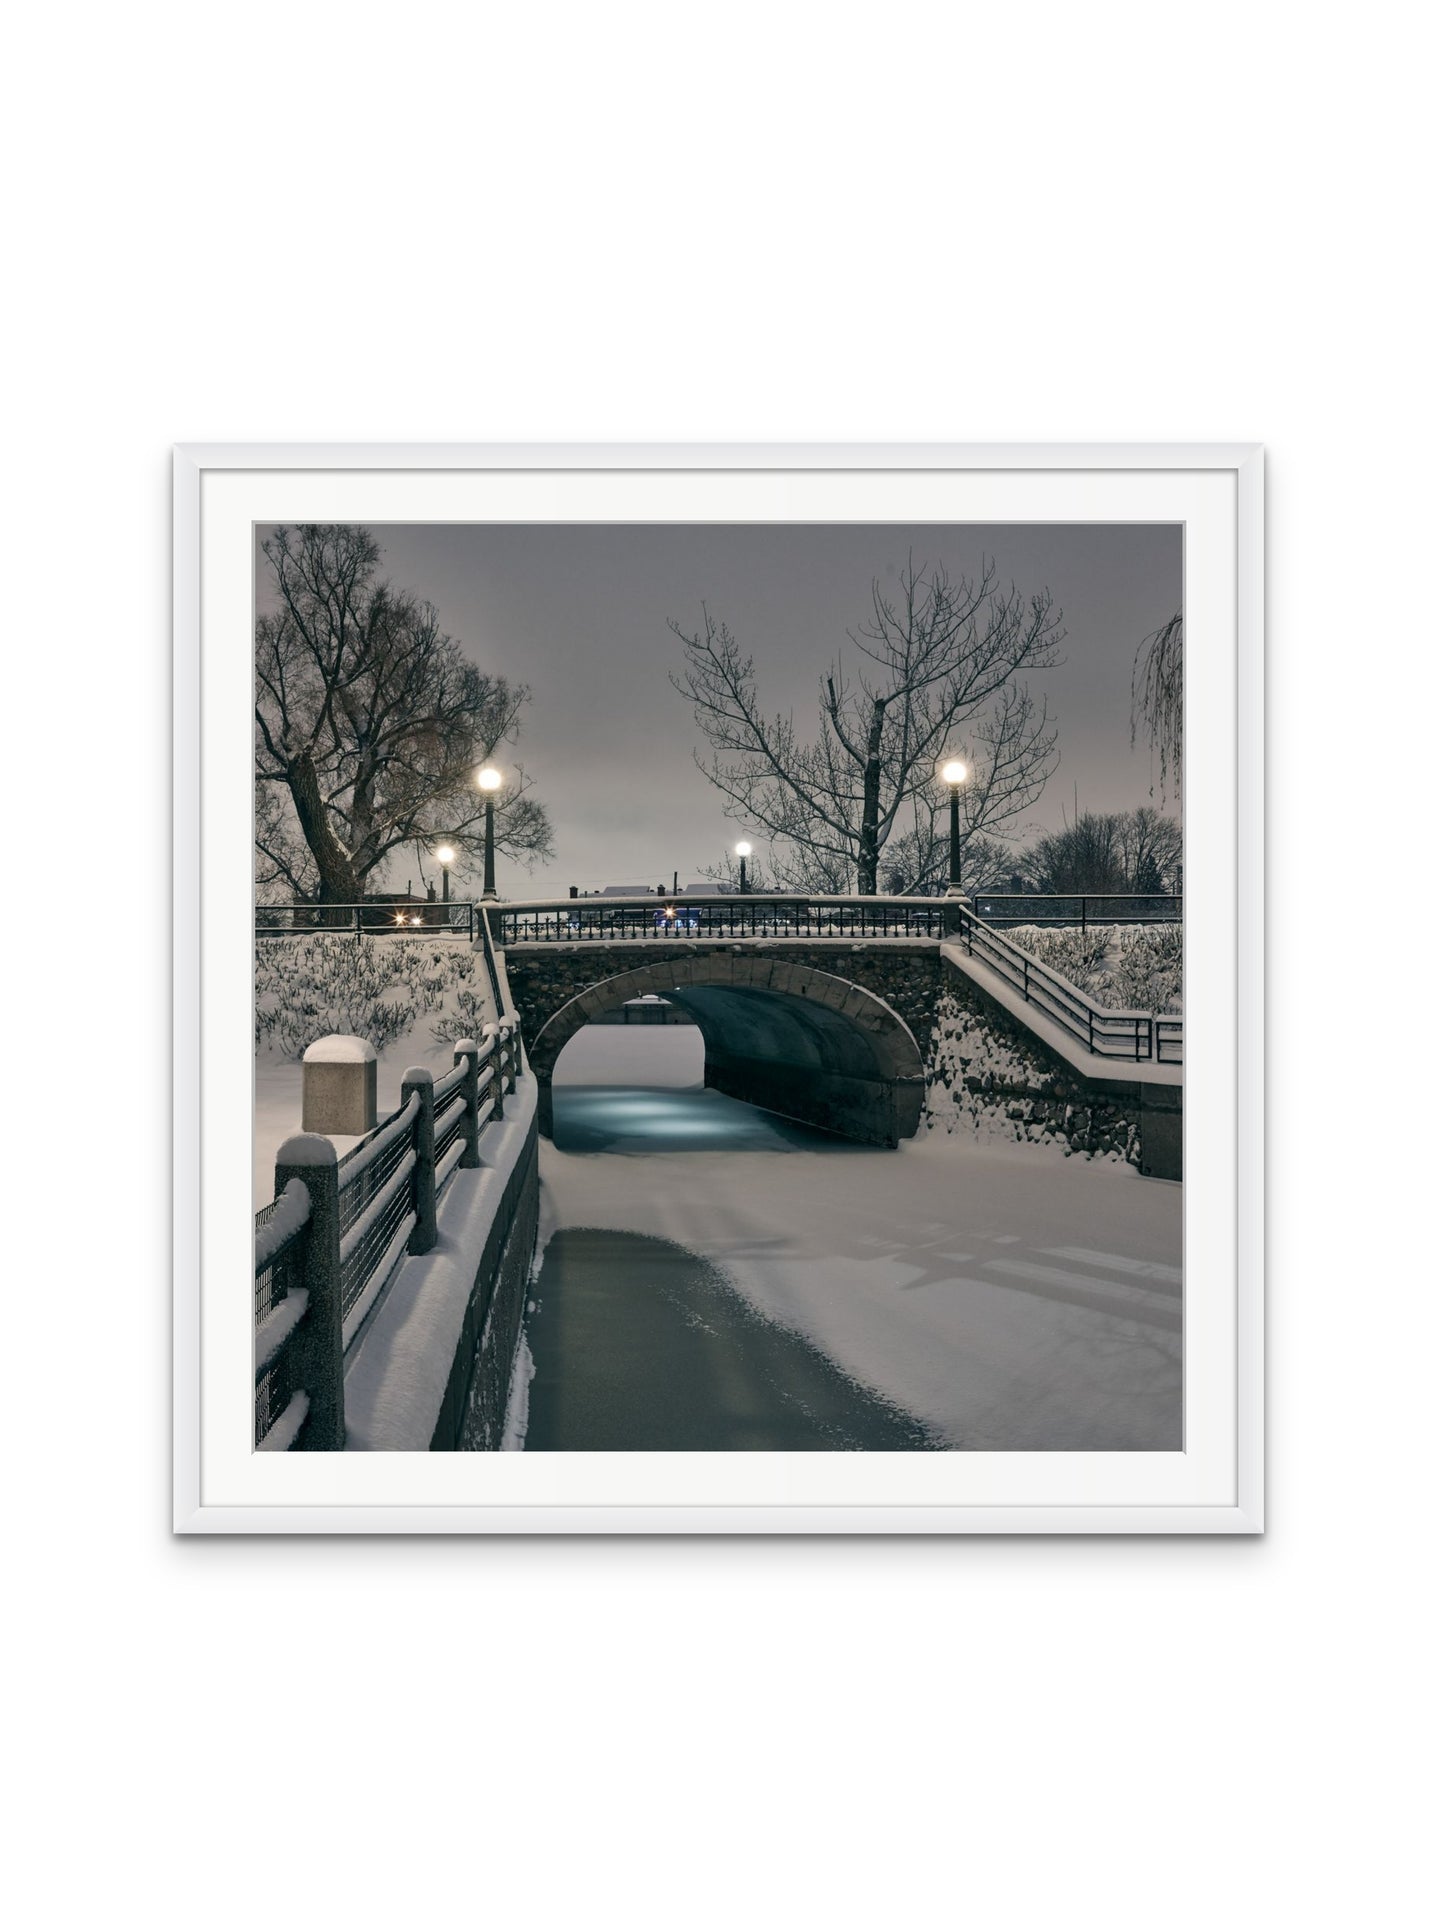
{"points": [[328, 1242]]}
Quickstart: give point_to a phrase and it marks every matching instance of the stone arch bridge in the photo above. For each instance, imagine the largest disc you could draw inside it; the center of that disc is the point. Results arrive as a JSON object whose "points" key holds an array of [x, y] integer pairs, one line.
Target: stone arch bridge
{"points": [[825, 1010], [788, 1032]]}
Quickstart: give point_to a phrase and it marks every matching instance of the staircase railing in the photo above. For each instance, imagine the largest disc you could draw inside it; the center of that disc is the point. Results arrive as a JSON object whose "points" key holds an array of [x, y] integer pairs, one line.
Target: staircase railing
{"points": [[1131, 1036]]}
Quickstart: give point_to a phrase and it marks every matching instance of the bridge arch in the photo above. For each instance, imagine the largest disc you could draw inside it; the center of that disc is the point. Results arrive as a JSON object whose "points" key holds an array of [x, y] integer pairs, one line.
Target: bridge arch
{"points": [[784, 1036]]}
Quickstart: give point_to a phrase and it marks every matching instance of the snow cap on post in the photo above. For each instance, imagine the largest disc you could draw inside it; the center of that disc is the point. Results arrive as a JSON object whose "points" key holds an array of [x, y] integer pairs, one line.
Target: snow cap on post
{"points": [[338, 1087], [307, 1147], [337, 1049]]}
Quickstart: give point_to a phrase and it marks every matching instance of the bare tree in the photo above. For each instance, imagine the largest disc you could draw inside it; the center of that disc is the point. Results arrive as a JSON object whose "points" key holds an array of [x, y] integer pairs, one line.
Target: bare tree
{"points": [[1151, 846], [370, 723], [1084, 855], [1156, 698], [1103, 852], [940, 672]]}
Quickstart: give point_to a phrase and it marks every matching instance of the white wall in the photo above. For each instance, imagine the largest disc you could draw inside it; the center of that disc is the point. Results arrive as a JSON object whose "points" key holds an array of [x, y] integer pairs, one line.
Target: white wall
{"points": [[1036, 222]]}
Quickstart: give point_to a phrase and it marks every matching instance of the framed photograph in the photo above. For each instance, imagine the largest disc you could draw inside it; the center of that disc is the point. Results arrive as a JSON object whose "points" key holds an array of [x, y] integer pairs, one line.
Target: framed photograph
{"points": [[690, 946]]}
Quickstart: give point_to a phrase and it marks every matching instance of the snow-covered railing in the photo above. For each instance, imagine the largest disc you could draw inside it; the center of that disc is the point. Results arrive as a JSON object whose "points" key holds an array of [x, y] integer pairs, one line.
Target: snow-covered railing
{"points": [[1135, 1036], [381, 917], [740, 914], [328, 1244]]}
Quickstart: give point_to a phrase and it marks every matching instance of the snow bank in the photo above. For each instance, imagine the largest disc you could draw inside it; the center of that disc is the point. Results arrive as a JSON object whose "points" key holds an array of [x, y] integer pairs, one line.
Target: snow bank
{"points": [[277, 1110]]}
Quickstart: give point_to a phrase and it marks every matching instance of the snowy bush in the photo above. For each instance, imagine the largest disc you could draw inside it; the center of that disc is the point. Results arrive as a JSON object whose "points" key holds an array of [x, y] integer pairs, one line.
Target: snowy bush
{"points": [[309, 987], [471, 1014], [1149, 974], [1121, 966], [1079, 955]]}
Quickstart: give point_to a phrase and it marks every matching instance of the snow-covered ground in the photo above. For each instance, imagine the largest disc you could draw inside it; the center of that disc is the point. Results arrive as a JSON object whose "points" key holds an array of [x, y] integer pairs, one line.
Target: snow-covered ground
{"points": [[396, 992], [278, 1096], [1009, 1296]]}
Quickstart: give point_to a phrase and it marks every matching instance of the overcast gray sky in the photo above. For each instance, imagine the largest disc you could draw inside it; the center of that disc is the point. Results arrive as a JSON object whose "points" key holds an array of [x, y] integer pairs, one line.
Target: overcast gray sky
{"points": [[580, 613]]}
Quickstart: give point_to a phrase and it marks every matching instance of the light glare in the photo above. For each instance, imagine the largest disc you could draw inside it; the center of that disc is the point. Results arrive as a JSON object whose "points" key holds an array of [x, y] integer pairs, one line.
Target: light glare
{"points": [[489, 778], [955, 772]]}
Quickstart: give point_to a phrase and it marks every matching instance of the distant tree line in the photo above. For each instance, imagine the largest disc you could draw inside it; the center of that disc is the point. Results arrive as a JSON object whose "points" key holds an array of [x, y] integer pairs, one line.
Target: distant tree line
{"points": [[1137, 852]]}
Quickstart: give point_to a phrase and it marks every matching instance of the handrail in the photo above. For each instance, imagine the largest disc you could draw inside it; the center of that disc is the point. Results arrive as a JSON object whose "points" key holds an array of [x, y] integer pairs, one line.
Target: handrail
{"points": [[1093, 1025], [403, 917], [724, 916], [362, 1155], [328, 1243], [1014, 906]]}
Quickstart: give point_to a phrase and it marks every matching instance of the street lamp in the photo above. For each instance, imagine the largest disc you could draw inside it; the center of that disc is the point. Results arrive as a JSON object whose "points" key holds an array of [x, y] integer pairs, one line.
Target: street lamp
{"points": [[489, 781], [446, 856], [955, 774], [744, 851]]}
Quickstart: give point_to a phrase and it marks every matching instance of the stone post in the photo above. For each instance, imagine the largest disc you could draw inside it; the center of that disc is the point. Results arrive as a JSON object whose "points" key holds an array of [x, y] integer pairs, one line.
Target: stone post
{"points": [[471, 1123], [338, 1087], [316, 1344], [424, 1233]]}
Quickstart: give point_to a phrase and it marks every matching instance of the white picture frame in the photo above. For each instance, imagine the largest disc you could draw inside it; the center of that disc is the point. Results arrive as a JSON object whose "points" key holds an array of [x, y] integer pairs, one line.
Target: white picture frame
{"points": [[1216, 1485]]}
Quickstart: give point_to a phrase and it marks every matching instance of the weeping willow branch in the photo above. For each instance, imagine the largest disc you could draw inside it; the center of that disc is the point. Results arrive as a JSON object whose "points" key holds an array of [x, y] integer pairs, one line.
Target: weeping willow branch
{"points": [[1156, 698]]}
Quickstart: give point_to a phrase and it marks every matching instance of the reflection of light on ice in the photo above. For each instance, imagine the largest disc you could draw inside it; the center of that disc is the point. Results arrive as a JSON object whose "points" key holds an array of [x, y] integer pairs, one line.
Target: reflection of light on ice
{"points": [[614, 1118]]}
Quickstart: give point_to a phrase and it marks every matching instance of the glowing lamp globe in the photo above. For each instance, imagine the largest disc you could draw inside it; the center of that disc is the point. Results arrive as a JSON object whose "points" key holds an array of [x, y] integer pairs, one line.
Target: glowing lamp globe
{"points": [[744, 849], [955, 773], [446, 854], [489, 779]]}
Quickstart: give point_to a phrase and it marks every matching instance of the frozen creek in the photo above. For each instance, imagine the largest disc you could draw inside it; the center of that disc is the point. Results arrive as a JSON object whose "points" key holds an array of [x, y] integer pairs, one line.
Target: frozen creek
{"points": [[715, 1278]]}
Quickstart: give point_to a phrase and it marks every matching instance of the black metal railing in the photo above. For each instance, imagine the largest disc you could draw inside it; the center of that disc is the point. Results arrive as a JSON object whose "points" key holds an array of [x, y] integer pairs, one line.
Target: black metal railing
{"points": [[1004, 908], [1134, 1036], [625, 919], [331, 1238], [382, 917]]}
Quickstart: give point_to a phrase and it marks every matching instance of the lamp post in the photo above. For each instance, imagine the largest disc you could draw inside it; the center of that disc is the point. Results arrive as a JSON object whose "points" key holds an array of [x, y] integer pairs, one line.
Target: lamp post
{"points": [[955, 774], [489, 781], [743, 851], [446, 856]]}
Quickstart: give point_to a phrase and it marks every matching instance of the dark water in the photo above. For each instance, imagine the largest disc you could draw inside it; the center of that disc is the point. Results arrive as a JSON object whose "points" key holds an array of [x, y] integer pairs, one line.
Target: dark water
{"points": [[641, 1346]]}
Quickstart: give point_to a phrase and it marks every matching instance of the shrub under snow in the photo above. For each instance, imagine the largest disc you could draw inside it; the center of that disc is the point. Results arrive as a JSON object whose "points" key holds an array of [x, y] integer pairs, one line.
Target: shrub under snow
{"points": [[1136, 966], [309, 987]]}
